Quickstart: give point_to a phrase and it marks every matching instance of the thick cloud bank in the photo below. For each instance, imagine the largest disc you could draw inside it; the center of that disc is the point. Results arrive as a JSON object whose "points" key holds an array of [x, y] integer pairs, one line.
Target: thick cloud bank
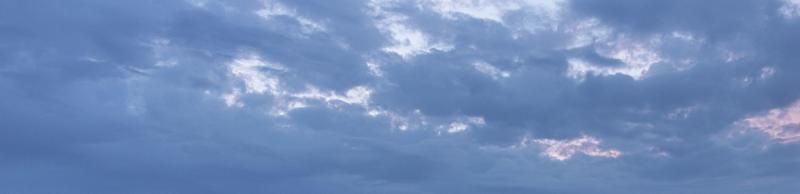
{"points": [[391, 96]]}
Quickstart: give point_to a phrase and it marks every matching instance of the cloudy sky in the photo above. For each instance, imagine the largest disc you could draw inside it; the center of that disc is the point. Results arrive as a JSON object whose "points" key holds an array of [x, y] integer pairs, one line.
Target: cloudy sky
{"points": [[400, 96]]}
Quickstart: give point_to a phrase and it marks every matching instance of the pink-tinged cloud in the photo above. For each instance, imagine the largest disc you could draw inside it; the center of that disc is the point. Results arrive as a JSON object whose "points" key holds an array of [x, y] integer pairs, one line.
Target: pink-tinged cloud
{"points": [[565, 149], [781, 124]]}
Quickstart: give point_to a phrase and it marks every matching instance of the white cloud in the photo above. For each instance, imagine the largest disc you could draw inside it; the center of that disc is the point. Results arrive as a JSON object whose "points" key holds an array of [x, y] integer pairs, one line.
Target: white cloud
{"points": [[358, 95], [258, 76], [637, 54], [375, 69], [232, 99], [272, 9], [766, 73], [401, 121], [587, 32], [490, 70], [406, 41], [284, 103], [417, 120], [637, 58], [686, 36], [790, 9], [251, 70], [456, 127], [281, 109], [476, 121], [780, 124], [492, 10], [565, 149], [464, 123]]}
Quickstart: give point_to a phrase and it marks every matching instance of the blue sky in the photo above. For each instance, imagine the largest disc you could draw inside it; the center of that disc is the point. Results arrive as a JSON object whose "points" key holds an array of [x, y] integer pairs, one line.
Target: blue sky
{"points": [[400, 96]]}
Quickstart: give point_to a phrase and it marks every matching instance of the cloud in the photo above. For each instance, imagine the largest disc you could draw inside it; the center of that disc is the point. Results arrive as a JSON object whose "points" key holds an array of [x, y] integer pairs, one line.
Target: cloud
{"points": [[405, 41], [385, 96], [790, 9], [781, 124], [248, 69], [486, 10], [276, 9], [490, 70], [565, 149]]}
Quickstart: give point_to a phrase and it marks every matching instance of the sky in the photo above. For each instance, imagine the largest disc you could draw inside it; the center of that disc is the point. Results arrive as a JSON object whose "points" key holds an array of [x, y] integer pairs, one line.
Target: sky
{"points": [[400, 96]]}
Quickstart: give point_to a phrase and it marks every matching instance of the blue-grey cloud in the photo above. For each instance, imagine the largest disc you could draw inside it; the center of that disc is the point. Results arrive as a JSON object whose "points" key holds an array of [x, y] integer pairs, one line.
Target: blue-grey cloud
{"points": [[382, 96]]}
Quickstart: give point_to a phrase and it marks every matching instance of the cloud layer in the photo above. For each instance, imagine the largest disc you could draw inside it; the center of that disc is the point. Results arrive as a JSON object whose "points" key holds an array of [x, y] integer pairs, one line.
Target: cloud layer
{"points": [[388, 96]]}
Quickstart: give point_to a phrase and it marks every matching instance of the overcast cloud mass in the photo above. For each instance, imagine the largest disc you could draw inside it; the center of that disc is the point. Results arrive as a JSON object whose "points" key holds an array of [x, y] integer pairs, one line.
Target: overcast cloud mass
{"points": [[400, 96]]}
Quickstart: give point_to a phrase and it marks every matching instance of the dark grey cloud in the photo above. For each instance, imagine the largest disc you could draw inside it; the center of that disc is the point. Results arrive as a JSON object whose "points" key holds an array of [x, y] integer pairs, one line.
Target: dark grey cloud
{"points": [[427, 96]]}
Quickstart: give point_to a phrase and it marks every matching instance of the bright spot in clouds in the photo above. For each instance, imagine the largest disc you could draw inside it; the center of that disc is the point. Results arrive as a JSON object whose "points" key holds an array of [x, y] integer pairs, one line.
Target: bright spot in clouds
{"points": [[275, 9], [637, 58], [780, 124], [566, 149], [490, 70], [406, 40], [790, 9], [255, 73]]}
